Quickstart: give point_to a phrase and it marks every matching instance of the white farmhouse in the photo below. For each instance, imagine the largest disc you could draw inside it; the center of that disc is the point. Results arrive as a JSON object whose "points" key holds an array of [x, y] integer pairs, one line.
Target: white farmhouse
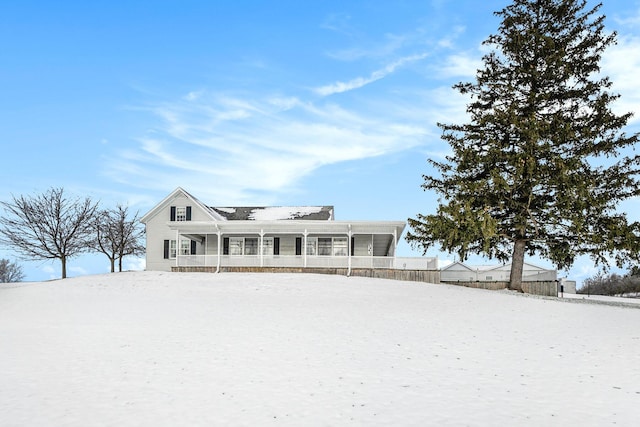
{"points": [[185, 234]]}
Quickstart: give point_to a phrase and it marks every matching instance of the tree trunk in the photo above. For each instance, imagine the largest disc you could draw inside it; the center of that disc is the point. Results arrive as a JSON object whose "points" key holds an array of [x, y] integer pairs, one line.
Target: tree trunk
{"points": [[517, 265], [63, 260], [113, 264], [120, 264]]}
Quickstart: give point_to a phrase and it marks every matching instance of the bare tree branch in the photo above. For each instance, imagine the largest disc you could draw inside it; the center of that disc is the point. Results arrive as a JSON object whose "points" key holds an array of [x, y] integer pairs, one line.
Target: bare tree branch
{"points": [[48, 226], [116, 236], [10, 272]]}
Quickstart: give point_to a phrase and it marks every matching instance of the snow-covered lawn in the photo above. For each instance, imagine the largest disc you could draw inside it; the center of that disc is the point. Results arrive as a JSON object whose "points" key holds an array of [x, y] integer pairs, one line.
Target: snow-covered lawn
{"points": [[169, 349]]}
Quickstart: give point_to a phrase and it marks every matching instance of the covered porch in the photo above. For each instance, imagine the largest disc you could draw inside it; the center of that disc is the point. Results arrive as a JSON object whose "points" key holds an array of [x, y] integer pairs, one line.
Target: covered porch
{"points": [[289, 244]]}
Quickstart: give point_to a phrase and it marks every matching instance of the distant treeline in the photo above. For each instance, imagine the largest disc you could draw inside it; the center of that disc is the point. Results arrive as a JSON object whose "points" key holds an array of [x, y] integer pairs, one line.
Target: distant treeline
{"points": [[613, 284]]}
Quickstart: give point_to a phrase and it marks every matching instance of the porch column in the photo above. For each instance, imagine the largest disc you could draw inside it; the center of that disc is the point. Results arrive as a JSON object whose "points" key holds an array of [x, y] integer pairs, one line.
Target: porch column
{"points": [[177, 247], [219, 248], [260, 245], [304, 248], [395, 244], [371, 251], [349, 234]]}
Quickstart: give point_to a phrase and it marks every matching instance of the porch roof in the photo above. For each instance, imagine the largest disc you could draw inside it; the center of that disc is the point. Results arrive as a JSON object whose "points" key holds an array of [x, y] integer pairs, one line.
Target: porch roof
{"points": [[289, 227]]}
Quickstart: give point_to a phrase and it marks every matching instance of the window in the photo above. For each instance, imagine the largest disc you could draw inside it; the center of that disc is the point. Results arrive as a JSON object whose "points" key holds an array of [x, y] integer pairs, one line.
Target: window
{"points": [[340, 246], [239, 246], [185, 247], [312, 245], [181, 213], [267, 246], [251, 246], [236, 245], [324, 246], [327, 246]]}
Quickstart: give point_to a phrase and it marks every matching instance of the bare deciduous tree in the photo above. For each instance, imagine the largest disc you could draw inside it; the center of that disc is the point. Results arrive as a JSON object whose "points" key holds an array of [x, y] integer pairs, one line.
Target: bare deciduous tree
{"points": [[10, 272], [48, 226], [116, 236], [612, 284]]}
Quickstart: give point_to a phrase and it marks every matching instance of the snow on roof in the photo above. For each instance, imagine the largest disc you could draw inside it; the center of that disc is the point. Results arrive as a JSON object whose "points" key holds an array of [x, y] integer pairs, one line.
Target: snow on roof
{"points": [[276, 213], [284, 212], [226, 210]]}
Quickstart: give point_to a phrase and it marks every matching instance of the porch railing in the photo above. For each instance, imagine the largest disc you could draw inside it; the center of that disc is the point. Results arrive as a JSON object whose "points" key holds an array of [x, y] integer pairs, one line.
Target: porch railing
{"points": [[298, 261]]}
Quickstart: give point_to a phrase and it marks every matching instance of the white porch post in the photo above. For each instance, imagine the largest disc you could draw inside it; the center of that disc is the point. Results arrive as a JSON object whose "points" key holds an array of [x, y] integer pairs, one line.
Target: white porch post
{"points": [[349, 234], [304, 248], [395, 244], [177, 247], [371, 251], [219, 246], [260, 248]]}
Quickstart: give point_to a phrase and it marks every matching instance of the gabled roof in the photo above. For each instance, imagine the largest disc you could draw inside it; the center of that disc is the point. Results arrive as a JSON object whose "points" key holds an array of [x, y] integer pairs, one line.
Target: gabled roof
{"points": [[461, 266], [507, 266], [456, 266], [275, 213], [179, 191]]}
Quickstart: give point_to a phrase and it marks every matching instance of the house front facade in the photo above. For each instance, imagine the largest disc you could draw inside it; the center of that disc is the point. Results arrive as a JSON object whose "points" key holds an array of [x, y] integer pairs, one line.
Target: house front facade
{"points": [[183, 232]]}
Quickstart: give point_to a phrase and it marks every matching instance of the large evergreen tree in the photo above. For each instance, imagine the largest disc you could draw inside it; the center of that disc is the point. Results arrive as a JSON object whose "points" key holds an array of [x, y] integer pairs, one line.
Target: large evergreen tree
{"points": [[541, 166]]}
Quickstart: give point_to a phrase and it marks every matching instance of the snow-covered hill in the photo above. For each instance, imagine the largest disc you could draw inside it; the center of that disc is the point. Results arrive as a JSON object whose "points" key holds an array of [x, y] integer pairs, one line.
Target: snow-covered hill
{"points": [[168, 349]]}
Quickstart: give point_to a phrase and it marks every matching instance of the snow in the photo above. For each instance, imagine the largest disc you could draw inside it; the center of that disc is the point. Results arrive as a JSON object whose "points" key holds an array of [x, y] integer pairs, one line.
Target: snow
{"points": [[197, 349], [602, 299], [227, 210], [275, 213]]}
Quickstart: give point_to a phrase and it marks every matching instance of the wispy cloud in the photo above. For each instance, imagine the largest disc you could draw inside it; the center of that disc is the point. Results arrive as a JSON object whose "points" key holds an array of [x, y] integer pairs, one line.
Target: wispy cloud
{"points": [[339, 23], [358, 82], [391, 44], [462, 64], [631, 20], [621, 63], [237, 150]]}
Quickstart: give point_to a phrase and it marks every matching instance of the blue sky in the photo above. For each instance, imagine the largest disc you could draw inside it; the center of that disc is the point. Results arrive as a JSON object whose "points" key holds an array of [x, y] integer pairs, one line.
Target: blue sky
{"points": [[249, 102]]}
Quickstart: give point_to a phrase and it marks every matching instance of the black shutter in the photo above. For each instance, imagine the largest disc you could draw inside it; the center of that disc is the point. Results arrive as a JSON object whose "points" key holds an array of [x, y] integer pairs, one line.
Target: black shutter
{"points": [[166, 249], [298, 245], [353, 245], [276, 246], [173, 213], [188, 213], [193, 247], [225, 246]]}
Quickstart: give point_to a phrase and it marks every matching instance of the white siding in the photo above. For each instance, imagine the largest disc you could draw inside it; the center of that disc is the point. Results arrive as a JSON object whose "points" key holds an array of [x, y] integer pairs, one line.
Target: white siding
{"points": [[157, 231]]}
